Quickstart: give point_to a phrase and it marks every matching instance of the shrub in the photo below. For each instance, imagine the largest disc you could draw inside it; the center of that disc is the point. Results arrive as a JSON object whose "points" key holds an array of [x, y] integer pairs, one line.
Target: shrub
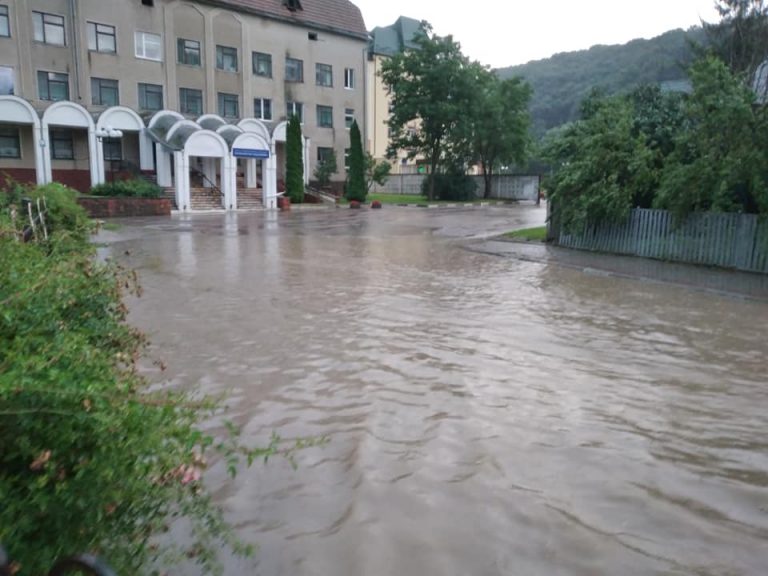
{"points": [[136, 188], [453, 185], [325, 169], [63, 214], [356, 187], [91, 460], [294, 162]]}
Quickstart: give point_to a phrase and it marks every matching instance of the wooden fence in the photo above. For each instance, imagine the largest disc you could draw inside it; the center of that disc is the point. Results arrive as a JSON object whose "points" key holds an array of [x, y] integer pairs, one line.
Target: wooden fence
{"points": [[728, 240], [503, 186]]}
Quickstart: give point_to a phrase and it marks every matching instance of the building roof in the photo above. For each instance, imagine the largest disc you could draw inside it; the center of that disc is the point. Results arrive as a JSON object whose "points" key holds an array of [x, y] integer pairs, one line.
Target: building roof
{"points": [[390, 40], [340, 16]]}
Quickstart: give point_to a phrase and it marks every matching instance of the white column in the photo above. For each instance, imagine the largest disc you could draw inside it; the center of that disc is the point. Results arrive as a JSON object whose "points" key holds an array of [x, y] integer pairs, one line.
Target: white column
{"points": [[250, 174], [270, 180], [46, 153], [146, 162], [209, 171], [232, 172], [182, 181], [94, 153], [164, 179], [40, 151], [305, 153], [100, 160]]}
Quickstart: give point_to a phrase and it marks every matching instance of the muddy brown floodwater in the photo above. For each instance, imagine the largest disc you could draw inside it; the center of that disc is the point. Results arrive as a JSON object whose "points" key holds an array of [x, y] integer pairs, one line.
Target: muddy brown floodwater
{"points": [[486, 414]]}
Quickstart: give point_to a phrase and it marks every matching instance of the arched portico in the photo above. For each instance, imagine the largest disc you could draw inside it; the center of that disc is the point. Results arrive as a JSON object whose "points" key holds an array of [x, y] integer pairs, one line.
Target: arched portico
{"points": [[194, 141], [14, 110], [254, 148], [125, 120], [66, 114], [158, 127]]}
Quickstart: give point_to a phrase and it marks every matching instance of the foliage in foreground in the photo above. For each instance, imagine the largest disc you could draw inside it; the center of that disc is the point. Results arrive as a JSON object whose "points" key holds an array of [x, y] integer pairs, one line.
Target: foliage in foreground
{"points": [[90, 459], [136, 188]]}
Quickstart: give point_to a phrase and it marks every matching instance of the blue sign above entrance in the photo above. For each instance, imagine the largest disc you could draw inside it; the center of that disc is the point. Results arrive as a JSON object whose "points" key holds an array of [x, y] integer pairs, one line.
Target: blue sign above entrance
{"points": [[250, 153]]}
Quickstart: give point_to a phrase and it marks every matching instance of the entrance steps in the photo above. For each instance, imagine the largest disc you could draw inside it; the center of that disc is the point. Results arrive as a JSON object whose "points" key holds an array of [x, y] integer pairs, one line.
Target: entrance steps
{"points": [[249, 198]]}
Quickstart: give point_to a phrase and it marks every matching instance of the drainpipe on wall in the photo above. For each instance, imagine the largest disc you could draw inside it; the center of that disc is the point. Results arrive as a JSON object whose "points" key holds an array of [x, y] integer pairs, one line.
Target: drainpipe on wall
{"points": [[75, 46]]}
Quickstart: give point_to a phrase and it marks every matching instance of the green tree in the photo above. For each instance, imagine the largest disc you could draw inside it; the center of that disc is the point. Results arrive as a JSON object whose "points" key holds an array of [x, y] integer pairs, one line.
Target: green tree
{"points": [[600, 165], [356, 188], [326, 168], [740, 38], [500, 124], [294, 163], [432, 86], [719, 162], [376, 171]]}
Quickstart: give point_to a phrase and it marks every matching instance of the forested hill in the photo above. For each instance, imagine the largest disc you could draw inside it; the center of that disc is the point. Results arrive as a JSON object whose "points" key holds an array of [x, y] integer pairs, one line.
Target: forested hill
{"points": [[562, 81]]}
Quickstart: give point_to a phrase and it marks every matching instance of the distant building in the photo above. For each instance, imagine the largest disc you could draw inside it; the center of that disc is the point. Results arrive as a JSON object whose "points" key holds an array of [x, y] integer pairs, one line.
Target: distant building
{"points": [[760, 84], [194, 92], [384, 43]]}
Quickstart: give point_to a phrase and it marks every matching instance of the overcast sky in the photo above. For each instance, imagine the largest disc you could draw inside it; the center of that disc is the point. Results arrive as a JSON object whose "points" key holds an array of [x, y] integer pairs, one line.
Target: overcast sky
{"points": [[503, 33]]}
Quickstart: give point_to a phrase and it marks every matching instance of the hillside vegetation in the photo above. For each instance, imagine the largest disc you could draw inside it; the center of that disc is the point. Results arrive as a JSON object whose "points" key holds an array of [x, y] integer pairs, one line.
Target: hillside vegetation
{"points": [[561, 82]]}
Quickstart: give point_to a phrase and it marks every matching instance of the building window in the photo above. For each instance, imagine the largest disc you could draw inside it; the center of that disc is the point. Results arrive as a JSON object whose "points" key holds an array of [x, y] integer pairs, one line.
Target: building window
{"points": [[294, 70], [324, 154], [48, 28], [113, 148], [325, 116], [149, 46], [347, 153], [53, 86], [228, 105], [295, 109], [349, 78], [262, 64], [62, 147], [104, 92], [5, 22], [191, 101], [10, 143], [102, 38], [226, 58], [349, 117], [324, 75], [188, 52], [262, 108], [7, 81], [150, 96]]}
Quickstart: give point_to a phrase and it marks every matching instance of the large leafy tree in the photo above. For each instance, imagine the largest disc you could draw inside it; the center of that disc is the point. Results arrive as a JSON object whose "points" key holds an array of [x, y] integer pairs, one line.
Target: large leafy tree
{"points": [[501, 124], [719, 161], [432, 87]]}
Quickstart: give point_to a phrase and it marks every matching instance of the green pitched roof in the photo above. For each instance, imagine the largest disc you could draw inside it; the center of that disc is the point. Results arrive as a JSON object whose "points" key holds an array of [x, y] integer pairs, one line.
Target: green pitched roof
{"points": [[390, 40]]}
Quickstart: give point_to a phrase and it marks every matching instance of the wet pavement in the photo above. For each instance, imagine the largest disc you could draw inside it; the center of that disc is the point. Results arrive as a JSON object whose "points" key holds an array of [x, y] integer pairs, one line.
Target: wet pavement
{"points": [[491, 408]]}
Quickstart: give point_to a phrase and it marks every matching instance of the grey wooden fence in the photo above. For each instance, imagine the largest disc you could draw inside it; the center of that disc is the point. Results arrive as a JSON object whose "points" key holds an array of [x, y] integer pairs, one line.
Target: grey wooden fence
{"points": [[503, 186], [728, 240]]}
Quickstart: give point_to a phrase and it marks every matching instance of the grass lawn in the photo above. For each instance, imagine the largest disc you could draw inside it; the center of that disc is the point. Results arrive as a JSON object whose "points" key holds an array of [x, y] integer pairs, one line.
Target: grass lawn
{"points": [[538, 234], [111, 226]]}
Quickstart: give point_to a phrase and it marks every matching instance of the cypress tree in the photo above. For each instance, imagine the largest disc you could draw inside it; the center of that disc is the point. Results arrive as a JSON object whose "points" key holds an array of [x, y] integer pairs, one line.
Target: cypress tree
{"points": [[356, 187], [294, 162]]}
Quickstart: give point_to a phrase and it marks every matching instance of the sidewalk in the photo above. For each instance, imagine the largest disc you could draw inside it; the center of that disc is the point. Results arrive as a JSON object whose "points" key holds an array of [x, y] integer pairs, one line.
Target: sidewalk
{"points": [[716, 280]]}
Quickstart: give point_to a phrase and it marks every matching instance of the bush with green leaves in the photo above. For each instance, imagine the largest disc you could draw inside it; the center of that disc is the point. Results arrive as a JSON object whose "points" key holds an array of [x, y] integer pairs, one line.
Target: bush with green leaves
{"points": [[136, 188], [91, 459], [453, 185], [326, 168]]}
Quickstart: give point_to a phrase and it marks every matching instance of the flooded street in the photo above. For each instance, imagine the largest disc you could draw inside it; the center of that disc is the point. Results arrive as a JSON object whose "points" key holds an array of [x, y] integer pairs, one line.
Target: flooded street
{"points": [[486, 415]]}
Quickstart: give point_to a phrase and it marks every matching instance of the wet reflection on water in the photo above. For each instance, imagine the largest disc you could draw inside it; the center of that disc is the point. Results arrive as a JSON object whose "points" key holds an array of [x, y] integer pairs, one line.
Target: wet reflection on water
{"points": [[486, 415]]}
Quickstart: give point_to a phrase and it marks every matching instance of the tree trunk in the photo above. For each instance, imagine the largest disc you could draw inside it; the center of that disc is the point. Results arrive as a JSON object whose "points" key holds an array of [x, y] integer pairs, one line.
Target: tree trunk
{"points": [[487, 177]]}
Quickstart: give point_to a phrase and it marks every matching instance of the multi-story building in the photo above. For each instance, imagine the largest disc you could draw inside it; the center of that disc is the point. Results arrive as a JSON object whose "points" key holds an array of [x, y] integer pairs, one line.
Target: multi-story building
{"points": [[176, 87], [385, 42]]}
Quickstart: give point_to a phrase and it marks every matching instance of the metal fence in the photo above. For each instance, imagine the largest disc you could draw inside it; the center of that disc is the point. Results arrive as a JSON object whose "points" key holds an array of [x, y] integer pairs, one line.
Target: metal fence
{"points": [[503, 186], [729, 240]]}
